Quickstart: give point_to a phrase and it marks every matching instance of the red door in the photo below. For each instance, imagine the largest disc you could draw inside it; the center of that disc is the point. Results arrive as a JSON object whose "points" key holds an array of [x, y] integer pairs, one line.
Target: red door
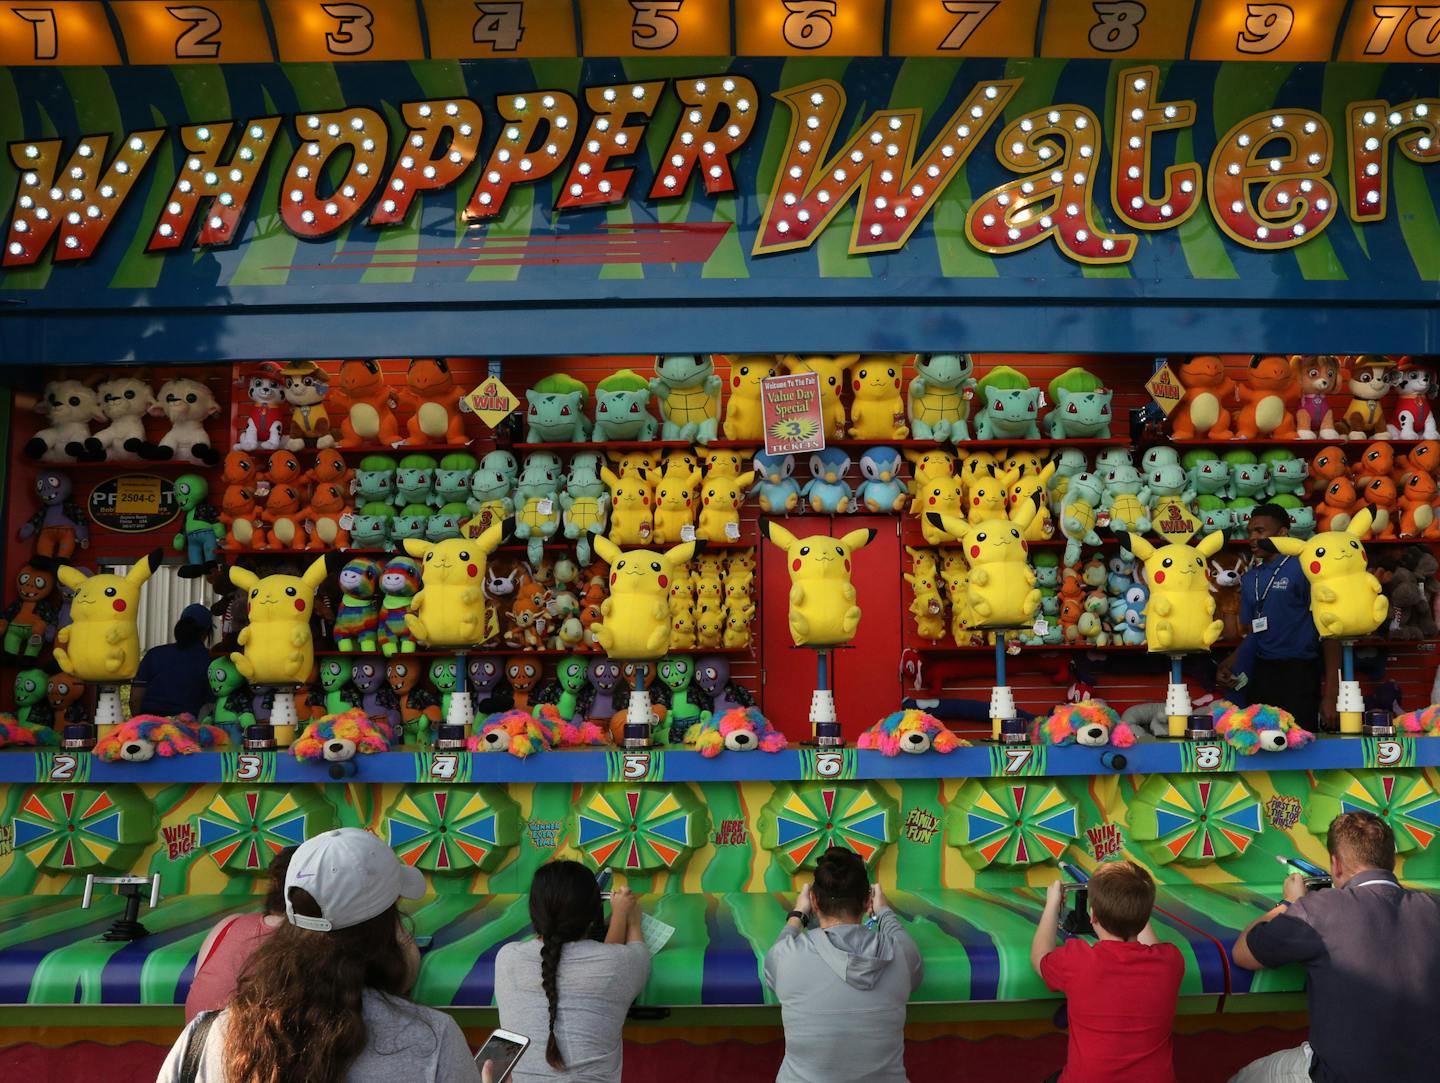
{"points": [[866, 677]]}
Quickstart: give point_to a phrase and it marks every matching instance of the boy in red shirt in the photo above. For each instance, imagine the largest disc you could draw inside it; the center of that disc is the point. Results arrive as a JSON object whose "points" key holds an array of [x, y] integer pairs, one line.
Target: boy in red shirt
{"points": [[1121, 989]]}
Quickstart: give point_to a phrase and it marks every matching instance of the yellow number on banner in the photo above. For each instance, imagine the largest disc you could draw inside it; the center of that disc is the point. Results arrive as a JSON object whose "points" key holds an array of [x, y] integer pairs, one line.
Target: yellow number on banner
{"points": [[829, 764], [47, 37], [499, 25], [808, 25], [1119, 25], [1388, 18], [353, 36], [247, 768], [654, 26], [1266, 28], [972, 13]]}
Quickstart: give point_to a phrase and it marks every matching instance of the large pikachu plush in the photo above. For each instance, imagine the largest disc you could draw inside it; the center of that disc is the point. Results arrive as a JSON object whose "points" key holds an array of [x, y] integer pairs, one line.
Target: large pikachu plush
{"points": [[102, 644], [1001, 588], [1180, 615], [275, 645], [1345, 599], [449, 609], [635, 623], [823, 612]]}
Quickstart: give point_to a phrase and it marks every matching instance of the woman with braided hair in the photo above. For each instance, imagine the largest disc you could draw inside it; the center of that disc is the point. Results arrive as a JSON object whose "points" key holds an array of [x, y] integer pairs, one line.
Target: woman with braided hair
{"points": [[575, 982]]}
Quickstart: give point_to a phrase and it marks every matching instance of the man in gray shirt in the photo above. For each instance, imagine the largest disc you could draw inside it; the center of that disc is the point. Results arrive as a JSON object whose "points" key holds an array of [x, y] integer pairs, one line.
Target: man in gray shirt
{"points": [[1372, 951], [843, 986]]}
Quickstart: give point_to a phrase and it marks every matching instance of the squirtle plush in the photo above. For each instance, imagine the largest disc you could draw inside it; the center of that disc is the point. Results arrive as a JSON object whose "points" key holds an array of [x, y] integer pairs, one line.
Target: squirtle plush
{"points": [[635, 620], [1260, 728], [147, 735], [1085, 723], [276, 646], [937, 399], [1345, 599], [743, 729], [101, 643], [689, 395], [909, 731], [450, 610], [339, 737], [1180, 615], [822, 599]]}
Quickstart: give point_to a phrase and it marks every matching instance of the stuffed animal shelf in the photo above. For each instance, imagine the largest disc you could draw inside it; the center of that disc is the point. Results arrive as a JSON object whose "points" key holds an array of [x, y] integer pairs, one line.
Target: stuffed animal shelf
{"points": [[1180, 615], [1001, 589], [823, 612], [449, 610], [101, 643], [275, 646]]}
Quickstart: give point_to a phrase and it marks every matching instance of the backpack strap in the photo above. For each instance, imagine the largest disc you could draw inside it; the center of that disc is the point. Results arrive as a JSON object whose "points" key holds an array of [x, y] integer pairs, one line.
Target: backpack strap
{"points": [[195, 1047]]}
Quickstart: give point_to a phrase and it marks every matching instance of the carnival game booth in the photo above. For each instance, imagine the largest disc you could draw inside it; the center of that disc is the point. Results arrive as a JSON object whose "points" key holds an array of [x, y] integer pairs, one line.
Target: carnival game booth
{"points": [[397, 333]]}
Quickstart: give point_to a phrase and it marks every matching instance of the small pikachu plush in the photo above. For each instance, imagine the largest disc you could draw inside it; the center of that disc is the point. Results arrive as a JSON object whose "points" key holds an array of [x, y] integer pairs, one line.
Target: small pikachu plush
{"points": [[742, 408], [275, 646], [1180, 615], [1345, 599], [101, 643], [1001, 588], [878, 412], [635, 621], [632, 516], [720, 501], [823, 612], [449, 609]]}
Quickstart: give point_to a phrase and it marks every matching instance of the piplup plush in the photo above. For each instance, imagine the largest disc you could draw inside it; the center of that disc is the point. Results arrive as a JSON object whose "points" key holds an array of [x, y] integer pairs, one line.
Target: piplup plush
{"points": [[339, 737], [1261, 729], [742, 729], [909, 731], [1422, 723], [515, 731], [18, 735], [567, 734], [1085, 723], [149, 735]]}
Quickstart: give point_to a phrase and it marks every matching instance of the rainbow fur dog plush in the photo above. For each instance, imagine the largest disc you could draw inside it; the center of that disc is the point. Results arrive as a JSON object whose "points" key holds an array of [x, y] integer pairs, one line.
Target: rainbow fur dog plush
{"points": [[1084, 723], [565, 733], [909, 731], [1258, 728], [515, 731], [741, 729], [1422, 723], [340, 737], [17, 733], [149, 735]]}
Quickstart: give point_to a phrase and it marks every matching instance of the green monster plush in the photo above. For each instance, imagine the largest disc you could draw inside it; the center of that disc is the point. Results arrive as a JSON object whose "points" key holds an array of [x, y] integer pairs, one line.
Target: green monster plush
{"points": [[1080, 406], [566, 689], [1009, 406], [444, 675], [335, 687], [31, 708], [556, 414], [622, 408], [234, 708], [203, 532], [687, 705]]}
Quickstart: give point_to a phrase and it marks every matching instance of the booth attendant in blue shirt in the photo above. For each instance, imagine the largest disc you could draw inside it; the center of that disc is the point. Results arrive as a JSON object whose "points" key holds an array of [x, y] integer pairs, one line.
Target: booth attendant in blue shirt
{"points": [[173, 678], [1282, 661]]}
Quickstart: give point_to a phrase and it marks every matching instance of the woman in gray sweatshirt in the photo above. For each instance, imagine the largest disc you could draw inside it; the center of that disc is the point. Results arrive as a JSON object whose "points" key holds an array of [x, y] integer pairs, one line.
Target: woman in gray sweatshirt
{"points": [[842, 985]]}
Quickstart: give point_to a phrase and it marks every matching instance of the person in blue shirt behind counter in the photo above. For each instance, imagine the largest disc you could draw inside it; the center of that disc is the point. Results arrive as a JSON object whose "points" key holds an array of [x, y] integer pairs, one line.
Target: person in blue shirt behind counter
{"points": [[173, 678], [1282, 661]]}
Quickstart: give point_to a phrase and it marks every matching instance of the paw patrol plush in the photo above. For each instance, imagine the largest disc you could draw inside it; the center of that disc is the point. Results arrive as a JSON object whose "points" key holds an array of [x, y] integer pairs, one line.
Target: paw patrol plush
{"points": [[742, 729], [1008, 406], [146, 736], [878, 411], [822, 599], [1318, 378], [914, 732], [336, 738], [622, 408], [1369, 382], [778, 492], [938, 398], [450, 610], [102, 644], [306, 385], [1345, 599], [827, 491], [1180, 615], [743, 418], [883, 490], [1087, 723], [556, 413]]}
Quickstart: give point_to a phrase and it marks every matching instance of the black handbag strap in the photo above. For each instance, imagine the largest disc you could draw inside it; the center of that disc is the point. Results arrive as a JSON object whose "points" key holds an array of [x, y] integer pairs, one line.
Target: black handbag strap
{"points": [[195, 1047]]}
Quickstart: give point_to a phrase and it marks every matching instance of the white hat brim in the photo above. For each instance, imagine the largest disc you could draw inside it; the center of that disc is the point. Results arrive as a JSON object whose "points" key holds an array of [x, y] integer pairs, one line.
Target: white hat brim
{"points": [[412, 882]]}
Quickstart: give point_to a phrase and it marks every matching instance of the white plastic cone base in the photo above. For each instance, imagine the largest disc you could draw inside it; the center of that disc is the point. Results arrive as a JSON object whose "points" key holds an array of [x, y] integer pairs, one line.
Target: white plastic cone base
{"points": [[822, 706], [108, 711], [282, 711], [1177, 700], [1002, 708], [638, 712], [1350, 705], [462, 710]]}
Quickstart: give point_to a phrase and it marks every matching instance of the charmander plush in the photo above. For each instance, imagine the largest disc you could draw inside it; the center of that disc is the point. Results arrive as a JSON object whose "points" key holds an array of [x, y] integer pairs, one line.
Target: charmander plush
{"points": [[339, 737], [743, 729], [909, 731], [147, 735], [1260, 728], [1084, 723]]}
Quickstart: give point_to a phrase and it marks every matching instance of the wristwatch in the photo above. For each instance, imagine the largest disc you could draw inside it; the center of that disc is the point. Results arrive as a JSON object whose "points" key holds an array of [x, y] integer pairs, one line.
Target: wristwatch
{"points": [[800, 916]]}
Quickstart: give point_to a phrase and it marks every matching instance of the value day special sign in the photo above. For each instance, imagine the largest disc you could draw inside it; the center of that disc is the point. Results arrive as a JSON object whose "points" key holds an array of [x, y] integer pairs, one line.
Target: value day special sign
{"points": [[313, 184], [792, 413]]}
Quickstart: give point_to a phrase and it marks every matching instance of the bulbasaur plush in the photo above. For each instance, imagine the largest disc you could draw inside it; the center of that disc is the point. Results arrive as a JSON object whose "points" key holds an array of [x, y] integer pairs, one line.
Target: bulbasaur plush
{"points": [[415, 480], [1080, 406], [556, 411], [622, 408], [1009, 406]]}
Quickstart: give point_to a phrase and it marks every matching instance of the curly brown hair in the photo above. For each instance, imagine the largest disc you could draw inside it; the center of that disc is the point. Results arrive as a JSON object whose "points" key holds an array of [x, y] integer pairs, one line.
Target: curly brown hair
{"points": [[297, 1012]]}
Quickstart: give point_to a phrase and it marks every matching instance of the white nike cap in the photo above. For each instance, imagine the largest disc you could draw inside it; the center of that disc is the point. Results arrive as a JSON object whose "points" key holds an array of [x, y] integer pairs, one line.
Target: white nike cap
{"points": [[352, 875]]}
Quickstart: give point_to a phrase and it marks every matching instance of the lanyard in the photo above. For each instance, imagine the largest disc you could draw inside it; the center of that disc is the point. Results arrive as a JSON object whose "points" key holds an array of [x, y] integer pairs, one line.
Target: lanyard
{"points": [[1259, 597]]}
